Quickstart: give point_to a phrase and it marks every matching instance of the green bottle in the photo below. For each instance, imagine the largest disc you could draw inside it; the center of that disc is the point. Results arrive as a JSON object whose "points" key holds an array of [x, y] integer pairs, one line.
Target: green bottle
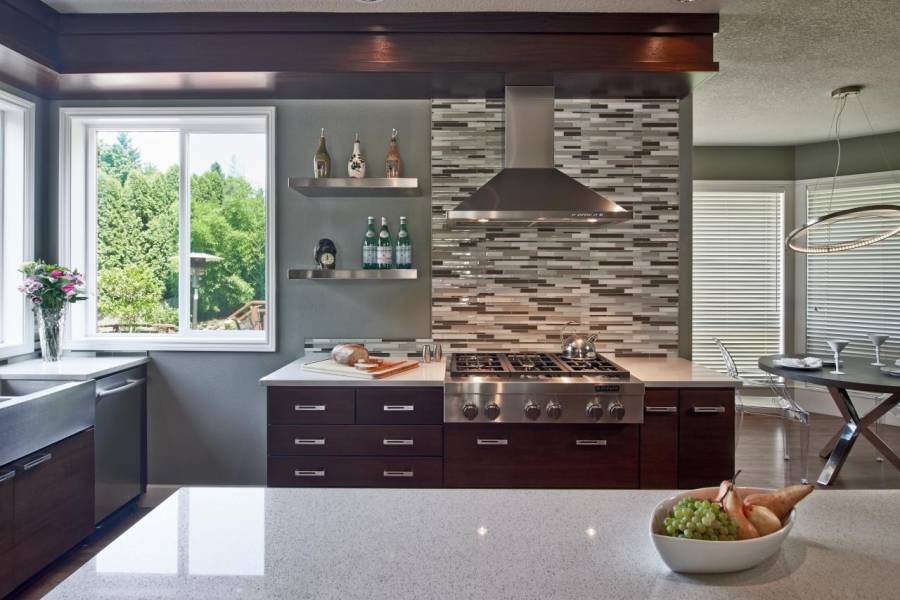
{"points": [[322, 161], [370, 246], [404, 246], [385, 247]]}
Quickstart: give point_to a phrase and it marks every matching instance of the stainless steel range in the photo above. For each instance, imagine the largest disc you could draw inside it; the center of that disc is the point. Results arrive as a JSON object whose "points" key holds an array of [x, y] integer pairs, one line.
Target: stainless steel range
{"points": [[539, 388]]}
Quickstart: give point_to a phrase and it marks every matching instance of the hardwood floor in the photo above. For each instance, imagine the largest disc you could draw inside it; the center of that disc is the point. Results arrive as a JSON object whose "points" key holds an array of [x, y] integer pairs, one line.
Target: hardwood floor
{"points": [[759, 455]]}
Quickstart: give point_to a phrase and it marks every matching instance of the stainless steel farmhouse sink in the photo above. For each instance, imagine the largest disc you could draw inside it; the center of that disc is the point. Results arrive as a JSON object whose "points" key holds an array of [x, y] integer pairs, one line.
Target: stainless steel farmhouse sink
{"points": [[36, 413]]}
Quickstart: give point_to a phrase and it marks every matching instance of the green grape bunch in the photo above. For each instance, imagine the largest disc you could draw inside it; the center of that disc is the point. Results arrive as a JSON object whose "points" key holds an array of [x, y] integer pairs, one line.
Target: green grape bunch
{"points": [[700, 520]]}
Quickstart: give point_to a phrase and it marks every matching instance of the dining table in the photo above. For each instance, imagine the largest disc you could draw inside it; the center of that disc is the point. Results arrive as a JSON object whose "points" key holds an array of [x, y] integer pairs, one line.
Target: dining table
{"points": [[857, 374]]}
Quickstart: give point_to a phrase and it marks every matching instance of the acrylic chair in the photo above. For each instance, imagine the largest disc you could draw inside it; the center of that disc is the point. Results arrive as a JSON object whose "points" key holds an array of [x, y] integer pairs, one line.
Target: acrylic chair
{"points": [[780, 404]]}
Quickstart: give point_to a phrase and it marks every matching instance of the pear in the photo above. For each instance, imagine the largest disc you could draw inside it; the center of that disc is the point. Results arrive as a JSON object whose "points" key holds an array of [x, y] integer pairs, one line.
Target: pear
{"points": [[762, 518], [782, 501]]}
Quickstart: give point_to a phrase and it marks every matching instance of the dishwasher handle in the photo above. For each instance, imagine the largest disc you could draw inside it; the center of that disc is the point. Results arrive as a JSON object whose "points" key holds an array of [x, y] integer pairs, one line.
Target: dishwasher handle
{"points": [[132, 383]]}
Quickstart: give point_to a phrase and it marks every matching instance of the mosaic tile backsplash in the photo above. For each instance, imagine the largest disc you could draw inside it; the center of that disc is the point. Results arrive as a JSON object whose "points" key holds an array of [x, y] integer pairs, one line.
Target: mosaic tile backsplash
{"points": [[500, 289]]}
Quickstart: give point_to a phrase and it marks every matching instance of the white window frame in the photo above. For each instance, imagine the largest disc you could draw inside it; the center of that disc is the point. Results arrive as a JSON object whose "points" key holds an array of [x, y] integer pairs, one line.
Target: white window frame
{"points": [[17, 128], [784, 187], [77, 219], [801, 187]]}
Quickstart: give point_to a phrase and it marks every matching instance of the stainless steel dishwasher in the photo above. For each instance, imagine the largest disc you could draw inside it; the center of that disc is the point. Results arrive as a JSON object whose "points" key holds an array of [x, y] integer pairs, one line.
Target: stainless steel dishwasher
{"points": [[119, 440]]}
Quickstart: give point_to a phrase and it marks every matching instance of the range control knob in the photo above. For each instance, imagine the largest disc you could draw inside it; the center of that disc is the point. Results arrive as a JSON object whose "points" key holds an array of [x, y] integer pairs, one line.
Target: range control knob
{"points": [[469, 411], [554, 410], [492, 411], [532, 410], [594, 411], [616, 410]]}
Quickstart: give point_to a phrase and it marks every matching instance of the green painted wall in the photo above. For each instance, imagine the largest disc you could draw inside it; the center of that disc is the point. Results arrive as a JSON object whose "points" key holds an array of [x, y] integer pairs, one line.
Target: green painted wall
{"points": [[806, 161], [743, 163]]}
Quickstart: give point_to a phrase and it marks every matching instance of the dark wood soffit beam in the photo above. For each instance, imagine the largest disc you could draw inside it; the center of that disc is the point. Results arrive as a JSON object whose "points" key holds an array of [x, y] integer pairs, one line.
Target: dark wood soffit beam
{"points": [[382, 53], [452, 22], [29, 30]]}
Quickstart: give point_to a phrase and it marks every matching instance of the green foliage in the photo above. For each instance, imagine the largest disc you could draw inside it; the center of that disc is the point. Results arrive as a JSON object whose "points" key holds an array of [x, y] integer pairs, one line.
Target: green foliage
{"points": [[131, 295], [120, 159], [138, 217]]}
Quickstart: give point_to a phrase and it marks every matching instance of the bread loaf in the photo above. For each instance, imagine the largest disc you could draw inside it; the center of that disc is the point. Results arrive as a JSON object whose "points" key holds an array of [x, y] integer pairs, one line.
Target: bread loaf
{"points": [[349, 354]]}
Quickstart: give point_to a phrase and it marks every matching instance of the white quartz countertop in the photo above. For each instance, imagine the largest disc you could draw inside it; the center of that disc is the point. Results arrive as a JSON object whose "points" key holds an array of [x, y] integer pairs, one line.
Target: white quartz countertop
{"points": [[348, 544], [674, 372], [654, 372], [292, 374], [70, 368]]}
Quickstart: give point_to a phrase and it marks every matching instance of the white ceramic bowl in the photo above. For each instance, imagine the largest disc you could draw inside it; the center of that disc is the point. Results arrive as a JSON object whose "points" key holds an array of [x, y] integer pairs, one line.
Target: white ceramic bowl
{"points": [[702, 556]]}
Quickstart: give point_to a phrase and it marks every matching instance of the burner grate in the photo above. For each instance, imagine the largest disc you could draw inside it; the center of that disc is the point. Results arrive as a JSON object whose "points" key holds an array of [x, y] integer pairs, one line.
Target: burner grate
{"points": [[534, 363], [476, 364], [598, 366]]}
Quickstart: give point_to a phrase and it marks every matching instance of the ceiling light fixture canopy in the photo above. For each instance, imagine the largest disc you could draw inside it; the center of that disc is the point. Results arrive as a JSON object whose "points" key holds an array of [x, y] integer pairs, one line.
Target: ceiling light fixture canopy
{"points": [[887, 215]]}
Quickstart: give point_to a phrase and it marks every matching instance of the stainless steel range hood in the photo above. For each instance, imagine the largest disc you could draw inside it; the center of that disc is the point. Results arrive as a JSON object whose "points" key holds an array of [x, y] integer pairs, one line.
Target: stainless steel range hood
{"points": [[529, 191]]}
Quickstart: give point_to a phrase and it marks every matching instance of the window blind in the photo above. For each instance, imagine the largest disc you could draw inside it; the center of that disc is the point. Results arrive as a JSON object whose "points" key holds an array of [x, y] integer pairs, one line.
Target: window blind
{"points": [[854, 293], [737, 276]]}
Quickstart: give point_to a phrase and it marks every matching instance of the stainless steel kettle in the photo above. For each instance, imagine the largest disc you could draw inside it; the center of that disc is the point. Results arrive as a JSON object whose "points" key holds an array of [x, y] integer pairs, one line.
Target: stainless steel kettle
{"points": [[577, 345]]}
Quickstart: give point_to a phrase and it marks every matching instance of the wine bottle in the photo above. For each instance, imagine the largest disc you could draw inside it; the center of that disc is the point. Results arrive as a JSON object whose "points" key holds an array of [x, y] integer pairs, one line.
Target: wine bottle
{"points": [[404, 246], [322, 161], [392, 162], [385, 247], [370, 246]]}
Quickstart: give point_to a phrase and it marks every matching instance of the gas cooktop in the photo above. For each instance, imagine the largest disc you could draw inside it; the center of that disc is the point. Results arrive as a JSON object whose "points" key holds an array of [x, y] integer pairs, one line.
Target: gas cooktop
{"points": [[532, 365]]}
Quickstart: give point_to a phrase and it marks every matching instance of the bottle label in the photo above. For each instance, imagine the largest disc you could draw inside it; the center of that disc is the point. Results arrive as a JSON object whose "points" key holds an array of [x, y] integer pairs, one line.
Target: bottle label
{"points": [[384, 256], [404, 256], [370, 255]]}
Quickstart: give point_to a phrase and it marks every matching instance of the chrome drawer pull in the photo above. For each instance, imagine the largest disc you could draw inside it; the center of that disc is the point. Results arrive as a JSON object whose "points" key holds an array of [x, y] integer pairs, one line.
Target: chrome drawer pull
{"points": [[397, 442], [306, 407], [7, 476], [661, 409], [709, 409], [309, 473], [590, 442], [309, 442], [399, 408], [492, 442], [398, 473], [37, 461]]}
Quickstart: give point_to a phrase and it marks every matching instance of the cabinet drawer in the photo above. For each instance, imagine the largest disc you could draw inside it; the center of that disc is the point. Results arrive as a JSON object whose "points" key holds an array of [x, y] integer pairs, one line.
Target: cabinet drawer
{"points": [[7, 482], [365, 440], [659, 440], [344, 471], [563, 456], [310, 405], [400, 406], [705, 437], [54, 502]]}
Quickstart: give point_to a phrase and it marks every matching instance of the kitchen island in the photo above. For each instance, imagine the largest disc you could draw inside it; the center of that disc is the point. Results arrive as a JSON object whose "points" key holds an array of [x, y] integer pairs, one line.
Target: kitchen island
{"points": [[454, 544]]}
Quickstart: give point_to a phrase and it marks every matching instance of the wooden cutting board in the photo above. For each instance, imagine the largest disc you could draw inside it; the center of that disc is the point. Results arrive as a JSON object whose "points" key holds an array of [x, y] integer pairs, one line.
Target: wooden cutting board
{"points": [[386, 369]]}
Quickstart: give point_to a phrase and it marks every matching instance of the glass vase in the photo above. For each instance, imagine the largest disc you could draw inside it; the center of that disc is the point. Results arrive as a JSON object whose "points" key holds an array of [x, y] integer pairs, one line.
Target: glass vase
{"points": [[50, 324]]}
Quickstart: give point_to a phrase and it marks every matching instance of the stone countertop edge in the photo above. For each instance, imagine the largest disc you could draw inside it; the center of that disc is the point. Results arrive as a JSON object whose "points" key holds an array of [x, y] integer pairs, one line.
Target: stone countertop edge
{"points": [[653, 372], [70, 368], [293, 375]]}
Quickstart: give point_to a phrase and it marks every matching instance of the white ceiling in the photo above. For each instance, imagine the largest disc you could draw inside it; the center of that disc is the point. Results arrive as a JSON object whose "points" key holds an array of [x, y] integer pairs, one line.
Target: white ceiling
{"points": [[779, 59]]}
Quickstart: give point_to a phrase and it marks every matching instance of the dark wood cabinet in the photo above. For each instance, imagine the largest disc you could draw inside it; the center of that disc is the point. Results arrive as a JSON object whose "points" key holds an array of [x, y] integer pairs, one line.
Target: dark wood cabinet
{"points": [[541, 456], [311, 405], [659, 439], [355, 436], [54, 502], [355, 440], [7, 500], [354, 471], [705, 437], [400, 406]]}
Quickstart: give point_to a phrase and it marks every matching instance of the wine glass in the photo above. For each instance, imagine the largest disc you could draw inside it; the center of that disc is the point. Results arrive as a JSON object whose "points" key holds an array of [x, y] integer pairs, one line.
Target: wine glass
{"points": [[877, 340], [836, 347]]}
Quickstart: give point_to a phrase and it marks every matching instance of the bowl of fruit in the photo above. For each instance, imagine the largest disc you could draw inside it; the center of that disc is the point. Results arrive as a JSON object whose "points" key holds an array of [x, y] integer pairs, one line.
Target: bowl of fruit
{"points": [[724, 529]]}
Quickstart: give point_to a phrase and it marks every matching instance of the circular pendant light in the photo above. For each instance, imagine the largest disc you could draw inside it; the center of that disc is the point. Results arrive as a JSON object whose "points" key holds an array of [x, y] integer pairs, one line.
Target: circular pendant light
{"points": [[886, 216]]}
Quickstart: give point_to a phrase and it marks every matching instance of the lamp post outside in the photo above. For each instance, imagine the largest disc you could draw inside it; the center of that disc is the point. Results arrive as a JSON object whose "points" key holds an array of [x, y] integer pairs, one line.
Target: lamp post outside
{"points": [[199, 260]]}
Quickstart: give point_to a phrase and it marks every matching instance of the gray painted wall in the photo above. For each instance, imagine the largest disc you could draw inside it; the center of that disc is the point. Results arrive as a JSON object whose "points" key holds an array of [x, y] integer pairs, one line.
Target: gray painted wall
{"points": [[787, 163], [207, 409]]}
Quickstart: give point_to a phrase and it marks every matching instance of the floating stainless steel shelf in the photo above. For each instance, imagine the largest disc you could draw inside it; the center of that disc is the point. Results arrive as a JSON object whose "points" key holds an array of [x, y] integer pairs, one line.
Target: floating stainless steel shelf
{"points": [[353, 274], [345, 186]]}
